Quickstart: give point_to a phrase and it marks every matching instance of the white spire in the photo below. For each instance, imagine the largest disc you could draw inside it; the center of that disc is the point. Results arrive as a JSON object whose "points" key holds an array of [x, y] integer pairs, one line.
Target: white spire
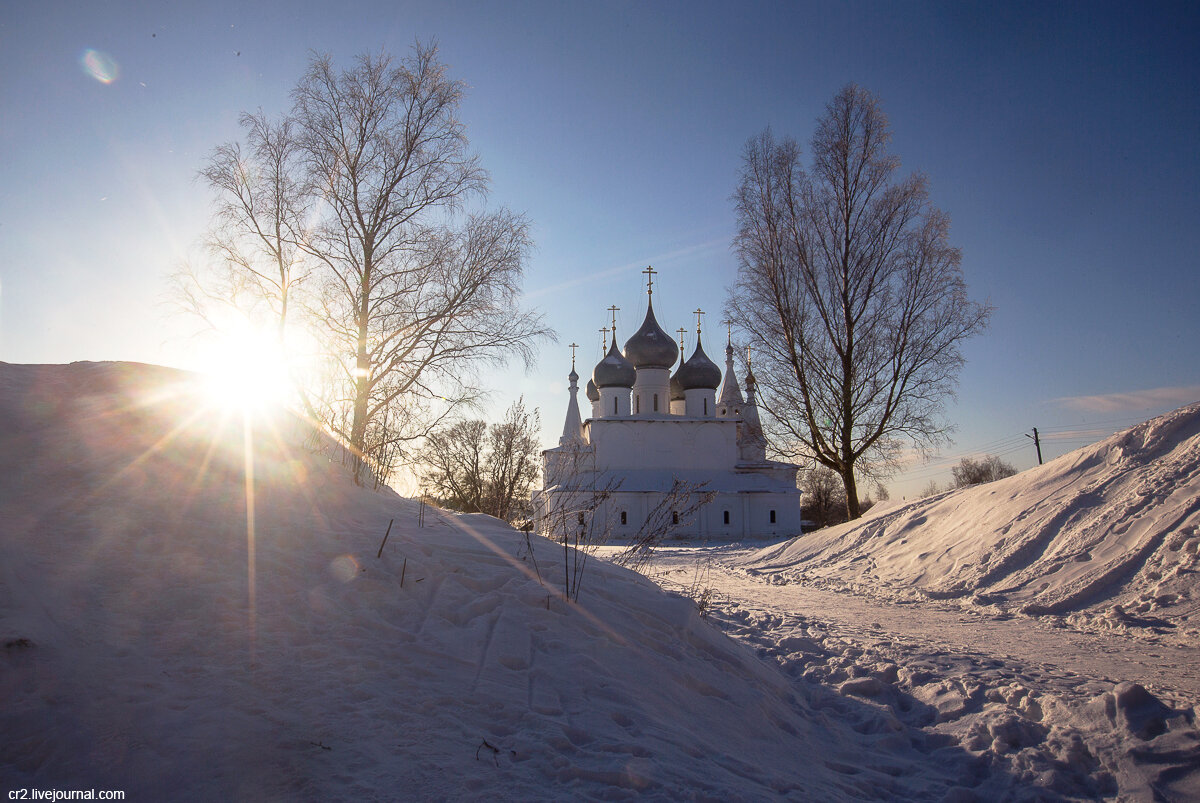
{"points": [[729, 403], [753, 444], [573, 426]]}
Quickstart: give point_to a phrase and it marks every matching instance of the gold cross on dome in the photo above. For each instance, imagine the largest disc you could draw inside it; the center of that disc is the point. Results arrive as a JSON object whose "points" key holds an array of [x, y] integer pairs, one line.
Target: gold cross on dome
{"points": [[698, 313], [681, 332], [649, 271], [573, 346], [614, 309]]}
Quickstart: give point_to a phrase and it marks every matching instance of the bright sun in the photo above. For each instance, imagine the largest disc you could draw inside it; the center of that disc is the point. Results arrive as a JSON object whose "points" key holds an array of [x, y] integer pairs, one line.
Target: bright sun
{"points": [[247, 370]]}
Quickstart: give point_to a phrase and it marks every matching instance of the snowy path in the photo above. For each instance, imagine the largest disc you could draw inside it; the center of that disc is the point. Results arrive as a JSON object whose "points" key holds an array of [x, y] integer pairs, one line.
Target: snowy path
{"points": [[1060, 656], [1058, 713]]}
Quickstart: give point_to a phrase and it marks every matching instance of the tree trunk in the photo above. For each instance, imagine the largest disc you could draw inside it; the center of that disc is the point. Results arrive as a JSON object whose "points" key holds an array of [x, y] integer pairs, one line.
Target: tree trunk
{"points": [[852, 508], [362, 394]]}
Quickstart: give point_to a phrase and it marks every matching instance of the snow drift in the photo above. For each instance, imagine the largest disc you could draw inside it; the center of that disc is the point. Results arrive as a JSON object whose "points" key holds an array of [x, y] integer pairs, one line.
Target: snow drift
{"points": [[197, 609], [1107, 535]]}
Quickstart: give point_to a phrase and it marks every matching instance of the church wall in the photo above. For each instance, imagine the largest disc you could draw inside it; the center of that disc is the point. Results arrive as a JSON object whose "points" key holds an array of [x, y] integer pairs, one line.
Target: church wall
{"points": [[749, 516], [614, 399], [663, 444], [701, 403]]}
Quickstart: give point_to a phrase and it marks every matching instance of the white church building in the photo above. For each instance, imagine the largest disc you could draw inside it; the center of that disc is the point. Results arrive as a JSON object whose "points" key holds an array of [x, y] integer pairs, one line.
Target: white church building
{"points": [[647, 429]]}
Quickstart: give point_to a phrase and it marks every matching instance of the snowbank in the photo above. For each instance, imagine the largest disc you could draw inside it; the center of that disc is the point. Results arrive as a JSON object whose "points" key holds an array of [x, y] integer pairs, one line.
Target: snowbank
{"points": [[1107, 536], [152, 641]]}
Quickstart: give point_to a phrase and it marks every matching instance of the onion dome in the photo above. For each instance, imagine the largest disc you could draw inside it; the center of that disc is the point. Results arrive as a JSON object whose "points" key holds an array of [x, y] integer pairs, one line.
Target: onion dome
{"points": [[677, 393], [574, 377], [699, 371], [592, 392], [614, 371], [650, 346]]}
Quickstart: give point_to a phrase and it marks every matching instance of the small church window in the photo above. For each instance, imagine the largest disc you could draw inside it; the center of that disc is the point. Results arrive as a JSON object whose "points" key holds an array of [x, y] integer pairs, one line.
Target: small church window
{"points": [[624, 517], [656, 402], [581, 518], [637, 404], [772, 516], [614, 406], [674, 516], [726, 516], [706, 406]]}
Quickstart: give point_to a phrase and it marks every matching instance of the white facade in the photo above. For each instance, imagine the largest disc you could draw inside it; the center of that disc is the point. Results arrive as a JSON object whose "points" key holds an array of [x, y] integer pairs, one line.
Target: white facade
{"points": [[612, 472]]}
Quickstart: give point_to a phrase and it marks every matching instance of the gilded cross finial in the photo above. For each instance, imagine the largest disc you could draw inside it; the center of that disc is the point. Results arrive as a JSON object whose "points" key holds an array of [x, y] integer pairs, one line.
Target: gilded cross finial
{"points": [[681, 332], [573, 346], [649, 271], [614, 309], [698, 313], [603, 339]]}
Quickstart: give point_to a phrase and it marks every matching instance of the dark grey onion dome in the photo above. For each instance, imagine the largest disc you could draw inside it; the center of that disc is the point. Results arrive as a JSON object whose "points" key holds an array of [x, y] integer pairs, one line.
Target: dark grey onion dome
{"points": [[574, 377], [614, 371], [676, 388], [699, 371], [592, 392], [650, 346]]}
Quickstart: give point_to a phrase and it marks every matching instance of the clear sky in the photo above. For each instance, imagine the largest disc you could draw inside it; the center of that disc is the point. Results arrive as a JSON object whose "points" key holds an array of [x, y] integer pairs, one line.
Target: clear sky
{"points": [[1062, 139]]}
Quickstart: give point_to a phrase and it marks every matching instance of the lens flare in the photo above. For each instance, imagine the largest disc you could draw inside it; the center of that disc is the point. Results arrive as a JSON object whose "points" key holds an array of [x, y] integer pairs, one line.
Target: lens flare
{"points": [[344, 568], [247, 369], [99, 65]]}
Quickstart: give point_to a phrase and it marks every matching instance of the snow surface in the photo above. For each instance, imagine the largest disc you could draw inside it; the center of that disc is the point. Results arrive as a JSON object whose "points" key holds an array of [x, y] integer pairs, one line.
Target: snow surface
{"points": [[1107, 536], [150, 643]]}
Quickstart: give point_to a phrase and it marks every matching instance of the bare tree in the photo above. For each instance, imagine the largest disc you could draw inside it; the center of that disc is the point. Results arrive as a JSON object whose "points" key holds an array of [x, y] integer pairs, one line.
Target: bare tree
{"points": [[512, 461], [824, 496], [415, 295], [453, 462], [976, 472], [254, 241], [850, 294], [477, 468]]}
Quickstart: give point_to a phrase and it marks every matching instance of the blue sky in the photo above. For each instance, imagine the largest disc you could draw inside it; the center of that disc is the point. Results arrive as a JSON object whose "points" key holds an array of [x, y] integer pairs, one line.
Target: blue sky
{"points": [[1060, 138]]}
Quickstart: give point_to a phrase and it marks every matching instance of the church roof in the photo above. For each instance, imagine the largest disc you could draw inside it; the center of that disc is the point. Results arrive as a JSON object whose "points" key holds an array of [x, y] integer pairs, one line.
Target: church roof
{"points": [[592, 392], [731, 394], [650, 346], [676, 388], [699, 371], [614, 371]]}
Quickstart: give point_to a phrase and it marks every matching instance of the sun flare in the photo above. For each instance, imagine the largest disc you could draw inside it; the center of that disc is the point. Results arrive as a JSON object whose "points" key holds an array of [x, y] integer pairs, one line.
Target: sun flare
{"points": [[248, 371]]}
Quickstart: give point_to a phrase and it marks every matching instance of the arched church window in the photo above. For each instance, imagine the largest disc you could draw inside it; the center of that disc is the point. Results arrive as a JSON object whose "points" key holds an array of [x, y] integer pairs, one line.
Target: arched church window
{"points": [[656, 402], [772, 516], [637, 404], [706, 406], [581, 517], [726, 516], [674, 516], [624, 517], [614, 406]]}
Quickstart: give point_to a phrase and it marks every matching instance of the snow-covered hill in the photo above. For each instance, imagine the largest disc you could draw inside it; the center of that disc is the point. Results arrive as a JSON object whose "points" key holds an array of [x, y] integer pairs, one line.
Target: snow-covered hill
{"points": [[195, 609], [150, 643], [1106, 536]]}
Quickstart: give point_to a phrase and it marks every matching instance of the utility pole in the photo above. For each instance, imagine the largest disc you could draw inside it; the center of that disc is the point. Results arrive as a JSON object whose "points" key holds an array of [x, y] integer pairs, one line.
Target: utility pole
{"points": [[1037, 443]]}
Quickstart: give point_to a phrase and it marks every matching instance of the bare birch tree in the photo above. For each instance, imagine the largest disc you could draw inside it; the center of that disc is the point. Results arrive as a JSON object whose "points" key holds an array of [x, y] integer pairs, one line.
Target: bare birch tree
{"points": [[850, 294], [513, 461], [414, 294], [259, 223]]}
